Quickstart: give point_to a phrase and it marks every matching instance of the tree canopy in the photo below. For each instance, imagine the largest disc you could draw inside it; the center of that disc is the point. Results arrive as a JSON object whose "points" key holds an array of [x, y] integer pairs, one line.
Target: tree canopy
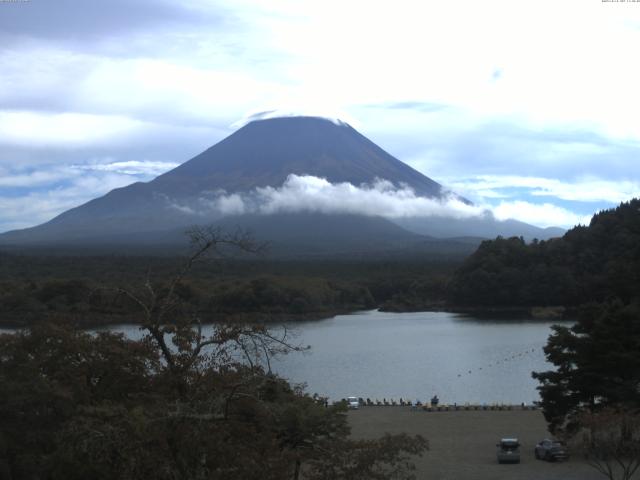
{"points": [[597, 365], [589, 263]]}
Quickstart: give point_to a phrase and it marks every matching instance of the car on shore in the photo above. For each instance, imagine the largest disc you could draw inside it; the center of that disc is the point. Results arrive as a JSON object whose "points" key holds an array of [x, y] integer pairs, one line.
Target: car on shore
{"points": [[508, 450], [551, 450], [353, 403]]}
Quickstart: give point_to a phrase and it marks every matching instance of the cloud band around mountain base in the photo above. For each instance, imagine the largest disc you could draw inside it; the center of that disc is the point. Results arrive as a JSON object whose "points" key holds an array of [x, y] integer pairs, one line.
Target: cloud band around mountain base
{"points": [[306, 193]]}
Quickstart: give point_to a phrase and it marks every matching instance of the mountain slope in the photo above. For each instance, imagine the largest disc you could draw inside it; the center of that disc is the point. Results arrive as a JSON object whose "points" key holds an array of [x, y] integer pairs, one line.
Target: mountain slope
{"points": [[260, 154], [263, 154]]}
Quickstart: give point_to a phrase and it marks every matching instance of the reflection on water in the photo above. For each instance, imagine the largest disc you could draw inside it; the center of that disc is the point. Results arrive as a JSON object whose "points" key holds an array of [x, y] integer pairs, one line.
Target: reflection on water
{"points": [[414, 356]]}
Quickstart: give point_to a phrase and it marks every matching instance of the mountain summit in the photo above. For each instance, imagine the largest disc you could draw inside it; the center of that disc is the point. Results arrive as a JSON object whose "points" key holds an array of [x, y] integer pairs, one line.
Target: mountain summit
{"points": [[263, 156], [265, 152]]}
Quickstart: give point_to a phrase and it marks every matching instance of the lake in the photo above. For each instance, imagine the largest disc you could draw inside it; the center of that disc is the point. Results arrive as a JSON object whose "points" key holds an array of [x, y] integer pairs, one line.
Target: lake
{"points": [[416, 355]]}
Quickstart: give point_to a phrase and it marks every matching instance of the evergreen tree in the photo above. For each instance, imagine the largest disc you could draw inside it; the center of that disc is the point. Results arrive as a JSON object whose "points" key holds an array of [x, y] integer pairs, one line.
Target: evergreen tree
{"points": [[597, 364]]}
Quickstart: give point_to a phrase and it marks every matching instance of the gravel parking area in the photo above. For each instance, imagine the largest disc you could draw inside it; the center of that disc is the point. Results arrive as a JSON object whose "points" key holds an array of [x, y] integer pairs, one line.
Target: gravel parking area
{"points": [[462, 443]]}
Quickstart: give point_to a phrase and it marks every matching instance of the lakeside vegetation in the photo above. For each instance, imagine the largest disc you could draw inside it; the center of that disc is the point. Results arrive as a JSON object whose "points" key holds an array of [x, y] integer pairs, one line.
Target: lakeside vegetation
{"points": [[87, 289]]}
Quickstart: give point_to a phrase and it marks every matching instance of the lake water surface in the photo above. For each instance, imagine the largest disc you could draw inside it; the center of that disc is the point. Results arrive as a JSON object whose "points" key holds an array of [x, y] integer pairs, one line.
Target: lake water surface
{"points": [[416, 355]]}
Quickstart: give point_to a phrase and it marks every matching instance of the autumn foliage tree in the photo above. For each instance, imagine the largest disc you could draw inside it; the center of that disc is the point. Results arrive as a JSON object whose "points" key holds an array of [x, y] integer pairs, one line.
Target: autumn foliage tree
{"points": [[183, 402]]}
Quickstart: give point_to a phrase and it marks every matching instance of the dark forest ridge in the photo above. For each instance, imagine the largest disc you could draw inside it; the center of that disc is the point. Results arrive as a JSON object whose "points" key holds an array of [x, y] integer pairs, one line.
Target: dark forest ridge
{"points": [[591, 263]]}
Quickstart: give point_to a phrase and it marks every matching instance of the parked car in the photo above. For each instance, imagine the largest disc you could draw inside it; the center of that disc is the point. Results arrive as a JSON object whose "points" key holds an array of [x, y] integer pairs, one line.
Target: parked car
{"points": [[508, 450], [551, 450], [353, 402]]}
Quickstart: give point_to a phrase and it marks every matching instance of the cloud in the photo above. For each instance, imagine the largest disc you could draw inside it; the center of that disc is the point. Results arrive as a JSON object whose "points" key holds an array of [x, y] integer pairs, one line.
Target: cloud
{"points": [[581, 190], [76, 21], [132, 167], [30, 197], [306, 193], [313, 194], [542, 215], [411, 105], [219, 203], [230, 204], [336, 118], [73, 129], [35, 207], [451, 143], [32, 179]]}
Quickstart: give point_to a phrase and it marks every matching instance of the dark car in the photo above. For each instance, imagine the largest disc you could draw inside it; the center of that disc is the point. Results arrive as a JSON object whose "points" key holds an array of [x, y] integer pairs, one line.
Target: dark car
{"points": [[551, 450], [508, 450]]}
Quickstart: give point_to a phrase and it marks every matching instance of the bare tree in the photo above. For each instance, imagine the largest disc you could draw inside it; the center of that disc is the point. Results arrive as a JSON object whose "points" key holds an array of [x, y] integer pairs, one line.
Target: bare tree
{"points": [[177, 331], [610, 441]]}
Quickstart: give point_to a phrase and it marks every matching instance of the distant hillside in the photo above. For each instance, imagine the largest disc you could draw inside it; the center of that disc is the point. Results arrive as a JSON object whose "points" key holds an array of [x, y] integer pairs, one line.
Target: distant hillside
{"points": [[589, 263], [485, 227]]}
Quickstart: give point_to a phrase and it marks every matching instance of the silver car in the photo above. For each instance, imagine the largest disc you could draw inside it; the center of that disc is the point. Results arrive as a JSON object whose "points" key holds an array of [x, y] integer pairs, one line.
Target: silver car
{"points": [[551, 450], [508, 450]]}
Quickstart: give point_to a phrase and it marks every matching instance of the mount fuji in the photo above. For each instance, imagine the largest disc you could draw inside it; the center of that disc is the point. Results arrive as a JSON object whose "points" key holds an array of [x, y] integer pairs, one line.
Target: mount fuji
{"points": [[305, 184]]}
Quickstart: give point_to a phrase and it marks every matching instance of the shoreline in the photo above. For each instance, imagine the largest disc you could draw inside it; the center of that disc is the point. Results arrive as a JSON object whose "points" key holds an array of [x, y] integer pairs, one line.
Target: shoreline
{"points": [[557, 312], [452, 407], [104, 320]]}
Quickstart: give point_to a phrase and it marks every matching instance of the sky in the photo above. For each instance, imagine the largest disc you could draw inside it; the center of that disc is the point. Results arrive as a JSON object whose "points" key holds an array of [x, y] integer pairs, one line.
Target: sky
{"points": [[528, 108]]}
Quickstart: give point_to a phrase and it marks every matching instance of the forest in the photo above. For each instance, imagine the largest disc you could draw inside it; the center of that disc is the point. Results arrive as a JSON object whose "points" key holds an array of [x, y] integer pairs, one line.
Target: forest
{"points": [[87, 289], [591, 263]]}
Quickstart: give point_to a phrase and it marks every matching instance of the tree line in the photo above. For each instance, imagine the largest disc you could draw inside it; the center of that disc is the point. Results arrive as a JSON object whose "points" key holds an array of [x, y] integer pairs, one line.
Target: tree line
{"points": [[87, 290]]}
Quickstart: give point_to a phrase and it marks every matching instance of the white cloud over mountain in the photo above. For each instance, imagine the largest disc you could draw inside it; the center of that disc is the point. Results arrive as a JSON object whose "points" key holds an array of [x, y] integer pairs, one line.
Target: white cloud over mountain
{"points": [[543, 215], [308, 193], [585, 189], [305, 193]]}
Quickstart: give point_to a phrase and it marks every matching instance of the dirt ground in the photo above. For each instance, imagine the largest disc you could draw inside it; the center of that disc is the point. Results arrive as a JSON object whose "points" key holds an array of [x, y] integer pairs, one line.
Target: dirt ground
{"points": [[462, 443]]}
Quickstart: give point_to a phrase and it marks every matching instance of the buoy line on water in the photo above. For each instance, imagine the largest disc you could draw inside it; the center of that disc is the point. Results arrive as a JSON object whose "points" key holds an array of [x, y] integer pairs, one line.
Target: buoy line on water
{"points": [[501, 361], [465, 406]]}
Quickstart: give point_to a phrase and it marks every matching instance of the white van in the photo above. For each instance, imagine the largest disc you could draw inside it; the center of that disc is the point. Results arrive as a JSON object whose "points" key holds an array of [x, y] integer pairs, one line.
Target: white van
{"points": [[352, 402]]}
